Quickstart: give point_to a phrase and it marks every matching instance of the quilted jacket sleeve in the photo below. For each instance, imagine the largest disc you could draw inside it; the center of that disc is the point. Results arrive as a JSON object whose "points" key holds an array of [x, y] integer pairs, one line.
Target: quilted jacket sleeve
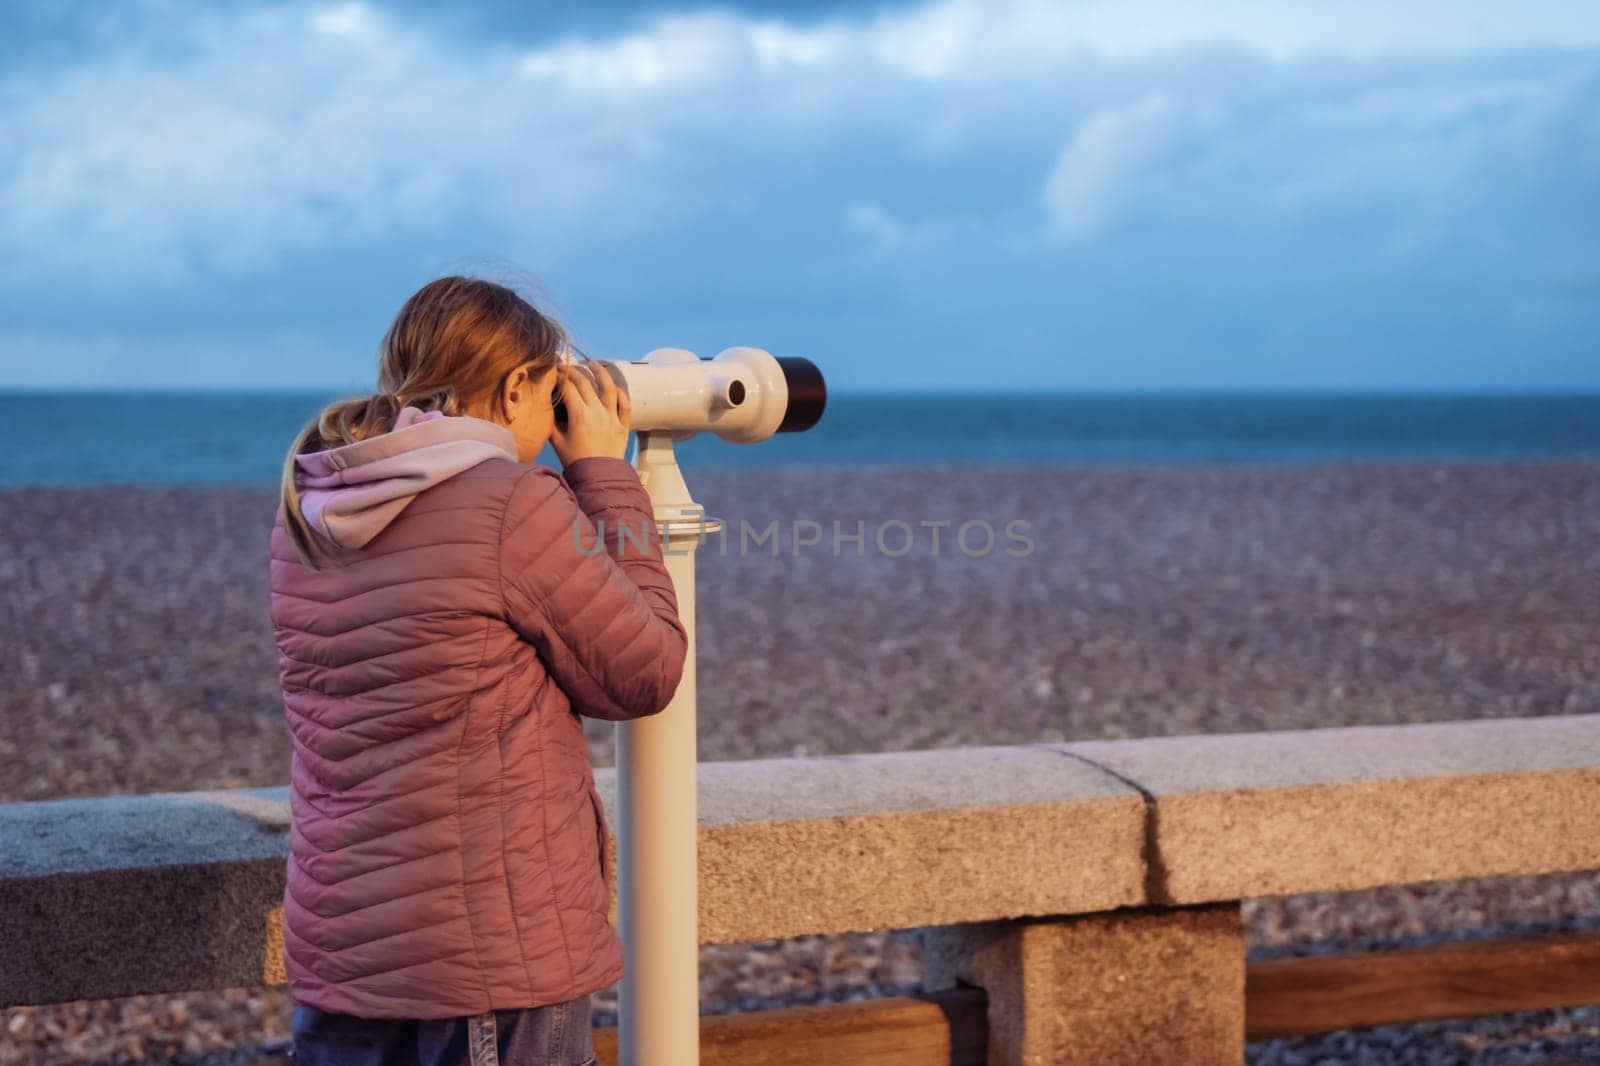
{"points": [[603, 618]]}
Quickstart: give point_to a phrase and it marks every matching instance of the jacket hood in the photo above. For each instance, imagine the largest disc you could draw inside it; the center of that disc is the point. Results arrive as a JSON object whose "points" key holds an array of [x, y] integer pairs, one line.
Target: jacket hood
{"points": [[349, 494]]}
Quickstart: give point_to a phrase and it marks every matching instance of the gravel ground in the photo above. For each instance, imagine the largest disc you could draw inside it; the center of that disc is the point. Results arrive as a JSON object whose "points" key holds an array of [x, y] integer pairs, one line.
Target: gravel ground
{"points": [[1154, 600]]}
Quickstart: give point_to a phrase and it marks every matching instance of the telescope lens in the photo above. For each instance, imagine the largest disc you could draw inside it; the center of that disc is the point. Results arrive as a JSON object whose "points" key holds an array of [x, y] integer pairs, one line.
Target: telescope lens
{"points": [[808, 393]]}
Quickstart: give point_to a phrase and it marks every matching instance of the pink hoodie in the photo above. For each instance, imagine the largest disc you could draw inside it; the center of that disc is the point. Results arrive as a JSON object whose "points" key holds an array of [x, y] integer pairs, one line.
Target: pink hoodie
{"points": [[350, 493], [448, 848]]}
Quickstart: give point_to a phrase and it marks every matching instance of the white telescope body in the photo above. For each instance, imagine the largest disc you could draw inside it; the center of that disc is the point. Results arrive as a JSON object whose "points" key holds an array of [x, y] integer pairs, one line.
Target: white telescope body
{"points": [[743, 395]]}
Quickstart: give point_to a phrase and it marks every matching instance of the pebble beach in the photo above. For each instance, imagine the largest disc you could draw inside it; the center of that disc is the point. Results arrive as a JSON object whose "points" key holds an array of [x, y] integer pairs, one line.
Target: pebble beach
{"points": [[1103, 602]]}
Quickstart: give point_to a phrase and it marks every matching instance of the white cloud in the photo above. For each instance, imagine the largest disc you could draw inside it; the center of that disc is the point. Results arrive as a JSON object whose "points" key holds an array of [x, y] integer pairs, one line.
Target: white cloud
{"points": [[1110, 161], [270, 132], [353, 20], [967, 41], [1437, 156], [875, 223], [972, 38], [243, 136], [677, 50], [892, 238]]}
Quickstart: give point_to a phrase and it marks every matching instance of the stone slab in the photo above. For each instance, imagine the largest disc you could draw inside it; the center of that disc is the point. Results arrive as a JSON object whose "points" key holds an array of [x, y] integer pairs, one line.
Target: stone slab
{"points": [[901, 839], [70, 836], [1317, 810], [126, 895]]}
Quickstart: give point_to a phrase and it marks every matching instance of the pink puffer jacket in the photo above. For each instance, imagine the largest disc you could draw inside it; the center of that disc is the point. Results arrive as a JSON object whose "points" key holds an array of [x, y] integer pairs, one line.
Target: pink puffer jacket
{"points": [[447, 852]]}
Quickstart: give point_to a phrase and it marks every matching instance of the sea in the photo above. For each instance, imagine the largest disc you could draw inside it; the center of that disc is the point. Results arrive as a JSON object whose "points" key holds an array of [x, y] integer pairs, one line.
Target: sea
{"points": [[83, 438]]}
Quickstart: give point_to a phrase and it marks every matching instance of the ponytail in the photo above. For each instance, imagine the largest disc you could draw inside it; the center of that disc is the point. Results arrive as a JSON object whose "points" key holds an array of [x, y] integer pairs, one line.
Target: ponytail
{"points": [[341, 422]]}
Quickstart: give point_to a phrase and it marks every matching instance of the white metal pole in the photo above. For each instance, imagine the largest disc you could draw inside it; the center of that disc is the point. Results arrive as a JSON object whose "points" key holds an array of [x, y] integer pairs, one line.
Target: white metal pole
{"points": [[657, 859]]}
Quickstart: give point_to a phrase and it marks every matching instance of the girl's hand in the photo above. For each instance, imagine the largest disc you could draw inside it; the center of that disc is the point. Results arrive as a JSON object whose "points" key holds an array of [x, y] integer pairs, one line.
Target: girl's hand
{"points": [[597, 424]]}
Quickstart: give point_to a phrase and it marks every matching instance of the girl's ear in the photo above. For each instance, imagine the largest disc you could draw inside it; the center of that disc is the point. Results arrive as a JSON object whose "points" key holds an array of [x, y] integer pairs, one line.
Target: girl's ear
{"points": [[515, 390]]}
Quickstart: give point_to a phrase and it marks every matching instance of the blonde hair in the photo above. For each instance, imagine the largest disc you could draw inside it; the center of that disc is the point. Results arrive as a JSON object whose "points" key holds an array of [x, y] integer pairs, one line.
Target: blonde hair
{"points": [[450, 348]]}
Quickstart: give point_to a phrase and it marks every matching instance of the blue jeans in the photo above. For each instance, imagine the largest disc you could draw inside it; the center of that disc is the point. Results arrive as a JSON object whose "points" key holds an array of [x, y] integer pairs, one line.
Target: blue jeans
{"points": [[556, 1034]]}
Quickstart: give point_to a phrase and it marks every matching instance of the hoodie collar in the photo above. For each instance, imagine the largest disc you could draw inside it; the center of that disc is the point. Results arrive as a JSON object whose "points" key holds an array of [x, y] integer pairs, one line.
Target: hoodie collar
{"points": [[351, 493]]}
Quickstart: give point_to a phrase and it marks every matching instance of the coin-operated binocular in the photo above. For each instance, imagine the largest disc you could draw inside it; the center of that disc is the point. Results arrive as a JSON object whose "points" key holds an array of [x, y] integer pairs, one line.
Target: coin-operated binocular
{"points": [[744, 395]]}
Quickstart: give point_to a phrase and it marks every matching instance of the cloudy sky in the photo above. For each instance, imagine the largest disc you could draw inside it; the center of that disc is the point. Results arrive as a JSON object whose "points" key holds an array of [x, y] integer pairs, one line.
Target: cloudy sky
{"points": [[966, 194]]}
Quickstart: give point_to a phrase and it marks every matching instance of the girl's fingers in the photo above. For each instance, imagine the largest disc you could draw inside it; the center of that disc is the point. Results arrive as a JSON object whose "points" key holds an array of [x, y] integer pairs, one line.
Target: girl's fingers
{"points": [[586, 381], [577, 389], [601, 379], [610, 391]]}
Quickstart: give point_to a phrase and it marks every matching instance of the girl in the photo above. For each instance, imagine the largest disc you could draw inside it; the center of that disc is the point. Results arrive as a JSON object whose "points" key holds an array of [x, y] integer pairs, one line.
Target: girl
{"points": [[444, 612]]}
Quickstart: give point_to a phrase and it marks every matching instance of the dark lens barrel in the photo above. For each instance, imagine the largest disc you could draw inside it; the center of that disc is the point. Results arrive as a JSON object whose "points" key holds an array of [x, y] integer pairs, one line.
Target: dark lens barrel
{"points": [[808, 394]]}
